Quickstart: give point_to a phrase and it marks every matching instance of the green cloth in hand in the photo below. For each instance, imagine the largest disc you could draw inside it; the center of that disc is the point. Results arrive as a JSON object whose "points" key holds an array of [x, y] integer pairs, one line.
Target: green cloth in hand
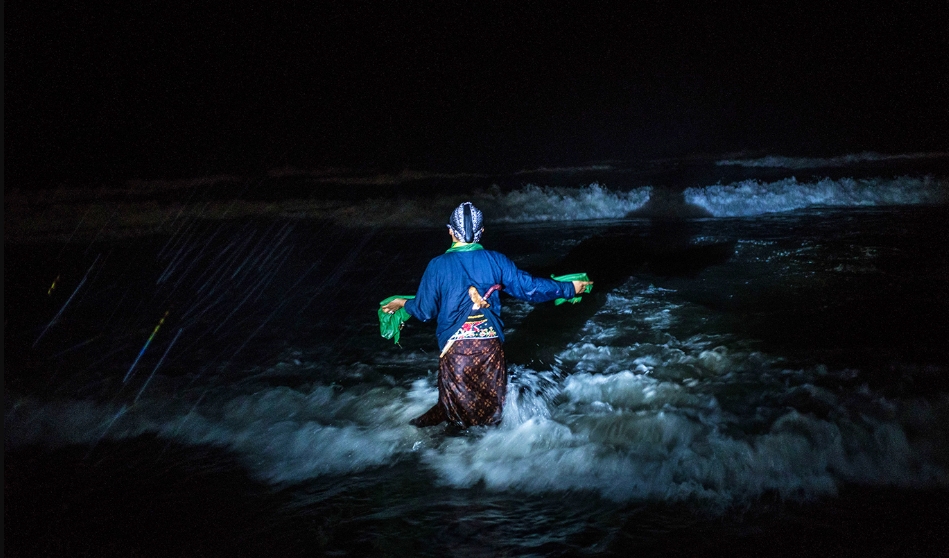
{"points": [[390, 325], [572, 277]]}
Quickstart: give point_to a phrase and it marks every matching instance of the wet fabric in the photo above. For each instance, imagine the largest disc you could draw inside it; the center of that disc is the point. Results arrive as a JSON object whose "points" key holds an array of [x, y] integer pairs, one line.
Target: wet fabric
{"points": [[390, 325], [472, 384]]}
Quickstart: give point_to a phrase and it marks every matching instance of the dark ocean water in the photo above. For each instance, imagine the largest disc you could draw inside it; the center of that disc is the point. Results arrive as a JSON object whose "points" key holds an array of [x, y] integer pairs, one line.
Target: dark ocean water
{"points": [[195, 368]]}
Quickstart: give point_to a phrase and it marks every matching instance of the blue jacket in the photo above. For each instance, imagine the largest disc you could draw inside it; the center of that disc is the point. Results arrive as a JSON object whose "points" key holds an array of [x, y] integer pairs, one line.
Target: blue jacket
{"points": [[443, 292]]}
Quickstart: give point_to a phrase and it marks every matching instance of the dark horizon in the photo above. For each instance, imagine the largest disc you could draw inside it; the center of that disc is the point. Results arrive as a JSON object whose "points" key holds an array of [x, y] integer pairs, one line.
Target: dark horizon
{"points": [[139, 91]]}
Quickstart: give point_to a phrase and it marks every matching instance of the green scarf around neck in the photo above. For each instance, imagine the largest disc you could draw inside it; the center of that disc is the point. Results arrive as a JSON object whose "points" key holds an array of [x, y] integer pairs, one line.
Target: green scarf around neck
{"points": [[462, 247]]}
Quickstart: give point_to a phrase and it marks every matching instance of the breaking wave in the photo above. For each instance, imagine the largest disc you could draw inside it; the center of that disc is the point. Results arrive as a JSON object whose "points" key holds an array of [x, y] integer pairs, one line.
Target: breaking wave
{"points": [[655, 430], [528, 204], [535, 203], [705, 418], [752, 197], [68, 217], [65, 214]]}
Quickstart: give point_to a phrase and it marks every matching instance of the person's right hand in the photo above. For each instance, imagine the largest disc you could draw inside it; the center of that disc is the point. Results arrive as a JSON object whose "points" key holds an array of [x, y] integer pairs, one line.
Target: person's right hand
{"points": [[580, 287], [393, 306]]}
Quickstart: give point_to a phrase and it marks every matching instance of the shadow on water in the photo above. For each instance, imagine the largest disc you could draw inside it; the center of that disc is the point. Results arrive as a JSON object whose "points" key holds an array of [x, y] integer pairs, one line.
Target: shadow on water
{"points": [[666, 247]]}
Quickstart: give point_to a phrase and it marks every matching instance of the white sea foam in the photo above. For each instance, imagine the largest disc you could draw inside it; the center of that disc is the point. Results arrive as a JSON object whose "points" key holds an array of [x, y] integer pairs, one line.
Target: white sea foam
{"points": [[645, 439], [543, 203], [752, 197], [704, 417], [662, 420], [282, 435]]}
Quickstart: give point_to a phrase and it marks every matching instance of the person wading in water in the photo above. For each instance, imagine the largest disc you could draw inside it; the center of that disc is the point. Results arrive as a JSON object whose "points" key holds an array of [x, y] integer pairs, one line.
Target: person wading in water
{"points": [[459, 289]]}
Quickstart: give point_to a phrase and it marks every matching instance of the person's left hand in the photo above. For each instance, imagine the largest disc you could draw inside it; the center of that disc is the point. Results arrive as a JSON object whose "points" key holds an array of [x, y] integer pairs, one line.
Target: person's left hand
{"points": [[393, 306]]}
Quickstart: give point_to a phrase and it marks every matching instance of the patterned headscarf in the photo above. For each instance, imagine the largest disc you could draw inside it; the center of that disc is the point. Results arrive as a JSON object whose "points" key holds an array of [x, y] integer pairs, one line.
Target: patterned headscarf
{"points": [[466, 222]]}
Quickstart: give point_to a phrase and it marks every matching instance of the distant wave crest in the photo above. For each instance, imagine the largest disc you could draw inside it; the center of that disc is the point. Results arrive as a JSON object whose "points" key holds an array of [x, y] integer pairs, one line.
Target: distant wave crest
{"points": [[97, 215], [529, 204], [536, 203], [782, 162], [752, 197], [70, 216]]}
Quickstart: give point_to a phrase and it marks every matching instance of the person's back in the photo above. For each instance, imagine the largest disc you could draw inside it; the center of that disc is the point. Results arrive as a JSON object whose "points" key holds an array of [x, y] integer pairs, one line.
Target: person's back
{"points": [[459, 289], [444, 291]]}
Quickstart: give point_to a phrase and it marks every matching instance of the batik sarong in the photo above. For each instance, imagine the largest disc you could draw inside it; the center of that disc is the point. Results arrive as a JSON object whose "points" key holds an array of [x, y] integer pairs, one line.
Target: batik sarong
{"points": [[472, 383]]}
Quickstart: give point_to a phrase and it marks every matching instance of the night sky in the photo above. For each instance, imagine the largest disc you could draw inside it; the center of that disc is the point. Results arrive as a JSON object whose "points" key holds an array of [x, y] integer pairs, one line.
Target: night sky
{"points": [[109, 91]]}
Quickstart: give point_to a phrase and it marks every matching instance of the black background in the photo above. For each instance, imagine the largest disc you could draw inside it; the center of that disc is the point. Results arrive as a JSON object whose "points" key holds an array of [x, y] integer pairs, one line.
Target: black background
{"points": [[113, 90]]}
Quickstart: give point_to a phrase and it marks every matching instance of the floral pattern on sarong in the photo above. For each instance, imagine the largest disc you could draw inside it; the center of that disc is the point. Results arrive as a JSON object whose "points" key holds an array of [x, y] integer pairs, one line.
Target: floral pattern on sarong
{"points": [[472, 384]]}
